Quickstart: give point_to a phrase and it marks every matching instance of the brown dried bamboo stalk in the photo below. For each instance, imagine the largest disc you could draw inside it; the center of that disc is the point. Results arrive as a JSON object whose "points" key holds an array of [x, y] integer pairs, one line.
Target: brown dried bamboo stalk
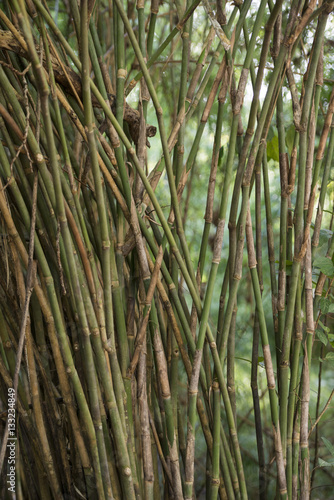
{"points": [[166, 395]]}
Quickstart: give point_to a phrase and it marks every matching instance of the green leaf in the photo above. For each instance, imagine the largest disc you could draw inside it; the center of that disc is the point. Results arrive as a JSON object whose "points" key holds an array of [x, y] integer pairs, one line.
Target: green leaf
{"points": [[325, 265], [321, 336], [287, 262], [260, 359], [326, 234], [272, 149], [331, 338], [325, 328], [328, 445], [330, 356], [331, 308], [324, 305], [323, 463]]}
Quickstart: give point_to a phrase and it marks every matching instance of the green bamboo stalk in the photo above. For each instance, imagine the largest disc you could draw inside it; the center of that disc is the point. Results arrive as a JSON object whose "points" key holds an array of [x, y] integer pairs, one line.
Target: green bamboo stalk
{"points": [[94, 288], [254, 108], [246, 182], [38, 414], [267, 360], [222, 384], [151, 29], [195, 145], [283, 222], [257, 412], [50, 321], [199, 67], [220, 75], [212, 179], [126, 477], [60, 206], [283, 160], [174, 363], [199, 405], [271, 244], [165, 44], [8, 355], [163, 141], [145, 428], [230, 364], [231, 482], [179, 148], [323, 189], [190, 282], [304, 412], [299, 222], [190, 447], [216, 441], [29, 427], [294, 380], [121, 71], [229, 415], [234, 128]]}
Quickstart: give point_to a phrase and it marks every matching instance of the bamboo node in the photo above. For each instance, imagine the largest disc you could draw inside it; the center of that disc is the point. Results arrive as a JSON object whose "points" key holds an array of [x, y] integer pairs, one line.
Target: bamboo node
{"points": [[215, 482], [122, 73], [127, 471], [105, 245], [296, 437], [39, 158], [213, 345], [106, 347]]}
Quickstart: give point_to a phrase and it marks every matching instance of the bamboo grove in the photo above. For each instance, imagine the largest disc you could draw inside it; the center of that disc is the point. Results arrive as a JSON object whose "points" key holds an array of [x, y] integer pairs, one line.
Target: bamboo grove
{"points": [[121, 344]]}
